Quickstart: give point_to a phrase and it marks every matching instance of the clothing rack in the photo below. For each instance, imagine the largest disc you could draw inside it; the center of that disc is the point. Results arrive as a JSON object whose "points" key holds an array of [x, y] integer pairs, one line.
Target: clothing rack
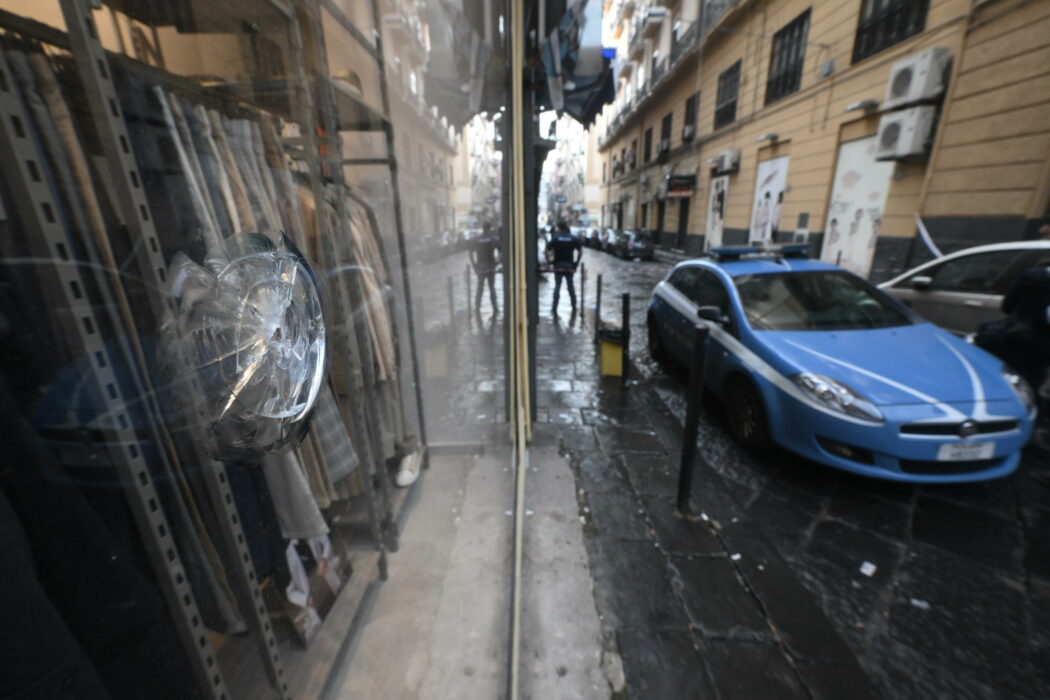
{"points": [[334, 123]]}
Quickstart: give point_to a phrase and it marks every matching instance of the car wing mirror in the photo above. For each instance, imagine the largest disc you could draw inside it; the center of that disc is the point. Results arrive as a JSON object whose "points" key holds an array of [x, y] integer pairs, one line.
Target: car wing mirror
{"points": [[712, 314], [921, 282]]}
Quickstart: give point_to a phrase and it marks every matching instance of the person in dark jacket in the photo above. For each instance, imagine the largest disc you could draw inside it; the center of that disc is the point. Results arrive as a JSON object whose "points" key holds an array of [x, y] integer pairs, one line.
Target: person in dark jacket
{"points": [[484, 256], [564, 251], [1028, 303]]}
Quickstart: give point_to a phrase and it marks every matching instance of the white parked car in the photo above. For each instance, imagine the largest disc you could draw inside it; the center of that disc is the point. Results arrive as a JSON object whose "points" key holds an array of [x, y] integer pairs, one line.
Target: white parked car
{"points": [[965, 289]]}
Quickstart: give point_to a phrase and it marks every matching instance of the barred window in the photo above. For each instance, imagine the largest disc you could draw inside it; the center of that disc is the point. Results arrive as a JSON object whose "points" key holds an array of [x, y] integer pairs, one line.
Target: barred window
{"points": [[785, 63], [665, 128], [647, 146], [728, 90], [884, 23]]}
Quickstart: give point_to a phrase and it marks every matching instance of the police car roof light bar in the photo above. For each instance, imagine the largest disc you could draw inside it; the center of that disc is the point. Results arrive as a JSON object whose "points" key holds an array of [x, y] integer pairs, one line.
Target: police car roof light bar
{"points": [[725, 253]]}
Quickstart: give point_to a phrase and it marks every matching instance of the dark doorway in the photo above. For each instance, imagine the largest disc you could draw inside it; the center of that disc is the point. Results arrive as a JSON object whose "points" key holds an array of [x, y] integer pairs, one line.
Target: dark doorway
{"points": [[644, 223], [659, 234], [683, 222], [619, 217]]}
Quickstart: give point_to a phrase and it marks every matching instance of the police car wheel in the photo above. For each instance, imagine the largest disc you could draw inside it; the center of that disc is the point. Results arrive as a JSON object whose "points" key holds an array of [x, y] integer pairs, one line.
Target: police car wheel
{"points": [[746, 415]]}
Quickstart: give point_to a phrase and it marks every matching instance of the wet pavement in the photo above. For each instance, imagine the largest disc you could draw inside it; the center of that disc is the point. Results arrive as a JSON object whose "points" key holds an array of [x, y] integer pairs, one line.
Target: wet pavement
{"points": [[767, 598]]}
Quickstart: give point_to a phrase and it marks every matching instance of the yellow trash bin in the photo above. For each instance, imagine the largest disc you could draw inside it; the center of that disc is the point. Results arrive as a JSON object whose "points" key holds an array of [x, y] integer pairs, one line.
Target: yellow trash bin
{"points": [[610, 340]]}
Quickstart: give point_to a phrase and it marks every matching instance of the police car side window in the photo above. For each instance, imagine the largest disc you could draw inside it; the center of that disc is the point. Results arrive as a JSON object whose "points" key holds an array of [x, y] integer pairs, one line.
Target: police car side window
{"points": [[711, 292], [684, 280]]}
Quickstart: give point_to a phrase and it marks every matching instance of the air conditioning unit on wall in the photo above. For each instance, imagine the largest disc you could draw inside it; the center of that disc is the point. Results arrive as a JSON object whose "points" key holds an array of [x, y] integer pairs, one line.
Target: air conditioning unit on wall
{"points": [[918, 78], [905, 134], [688, 132], [665, 145], [727, 161]]}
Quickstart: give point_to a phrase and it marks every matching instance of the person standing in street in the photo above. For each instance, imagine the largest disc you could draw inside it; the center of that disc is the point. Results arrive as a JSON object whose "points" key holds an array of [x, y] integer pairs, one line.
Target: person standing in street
{"points": [[564, 251], [484, 257]]}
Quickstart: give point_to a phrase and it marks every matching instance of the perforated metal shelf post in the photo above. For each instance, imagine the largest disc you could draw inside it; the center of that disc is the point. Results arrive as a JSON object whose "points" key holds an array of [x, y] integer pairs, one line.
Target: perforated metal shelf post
{"points": [[38, 211], [95, 74]]}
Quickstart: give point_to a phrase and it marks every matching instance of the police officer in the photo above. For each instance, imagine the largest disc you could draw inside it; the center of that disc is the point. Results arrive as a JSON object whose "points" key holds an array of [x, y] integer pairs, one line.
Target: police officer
{"points": [[564, 251], [484, 256]]}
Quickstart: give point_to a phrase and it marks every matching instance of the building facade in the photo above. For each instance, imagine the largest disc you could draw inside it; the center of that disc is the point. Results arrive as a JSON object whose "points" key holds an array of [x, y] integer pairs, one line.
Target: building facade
{"points": [[851, 126], [570, 188]]}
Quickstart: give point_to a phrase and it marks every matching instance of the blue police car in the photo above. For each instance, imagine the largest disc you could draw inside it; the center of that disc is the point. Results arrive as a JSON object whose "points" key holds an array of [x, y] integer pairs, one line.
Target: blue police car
{"points": [[821, 362]]}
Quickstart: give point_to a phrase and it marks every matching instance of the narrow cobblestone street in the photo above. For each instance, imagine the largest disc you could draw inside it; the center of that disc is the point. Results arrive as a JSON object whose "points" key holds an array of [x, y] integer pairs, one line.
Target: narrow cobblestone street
{"points": [[768, 595]]}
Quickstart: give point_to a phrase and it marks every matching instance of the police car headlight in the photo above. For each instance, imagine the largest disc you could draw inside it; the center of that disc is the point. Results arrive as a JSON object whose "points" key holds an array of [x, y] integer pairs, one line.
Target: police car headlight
{"points": [[833, 394], [1021, 388]]}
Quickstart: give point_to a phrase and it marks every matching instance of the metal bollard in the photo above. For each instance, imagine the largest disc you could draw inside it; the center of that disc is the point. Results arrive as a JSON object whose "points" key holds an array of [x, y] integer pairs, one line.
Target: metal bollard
{"points": [[692, 423], [626, 311], [451, 309], [470, 299], [583, 290], [598, 309]]}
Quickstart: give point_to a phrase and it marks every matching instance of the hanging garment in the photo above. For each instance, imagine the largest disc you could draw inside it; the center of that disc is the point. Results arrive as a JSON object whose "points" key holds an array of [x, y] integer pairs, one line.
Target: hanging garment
{"points": [[267, 176], [296, 508], [212, 239], [190, 162], [328, 426], [207, 162], [246, 136], [237, 184], [244, 159], [287, 192], [202, 134], [380, 330], [317, 477], [172, 210]]}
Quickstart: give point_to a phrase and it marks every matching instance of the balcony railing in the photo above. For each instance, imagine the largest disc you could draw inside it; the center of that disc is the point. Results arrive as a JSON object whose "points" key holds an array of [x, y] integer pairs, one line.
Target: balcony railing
{"points": [[636, 43], [659, 70], [684, 41]]}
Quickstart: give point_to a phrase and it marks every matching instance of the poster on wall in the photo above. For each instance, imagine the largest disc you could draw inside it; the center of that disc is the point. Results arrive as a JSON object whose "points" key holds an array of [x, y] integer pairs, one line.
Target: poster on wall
{"points": [[716, 211], [769, 198], [858, 196]]}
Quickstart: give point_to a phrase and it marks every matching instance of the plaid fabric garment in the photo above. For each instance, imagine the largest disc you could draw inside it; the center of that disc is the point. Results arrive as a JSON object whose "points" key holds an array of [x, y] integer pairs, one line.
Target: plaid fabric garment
{"points": [[336, 450]]}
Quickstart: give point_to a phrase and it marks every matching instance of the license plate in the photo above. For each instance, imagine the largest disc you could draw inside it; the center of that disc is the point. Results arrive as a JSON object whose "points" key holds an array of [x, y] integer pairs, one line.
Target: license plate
{"points": [[965, 451]]}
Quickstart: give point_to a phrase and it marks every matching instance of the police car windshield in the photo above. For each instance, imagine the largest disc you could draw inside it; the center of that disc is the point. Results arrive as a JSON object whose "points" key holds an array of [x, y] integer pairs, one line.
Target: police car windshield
{"points": [[816, 301]]}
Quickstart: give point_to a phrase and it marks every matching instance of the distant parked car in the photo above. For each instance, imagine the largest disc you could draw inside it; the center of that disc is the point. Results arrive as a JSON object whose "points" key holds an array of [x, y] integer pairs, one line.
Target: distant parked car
{"points": [[961, 291], [609, 239], [635, 244]]}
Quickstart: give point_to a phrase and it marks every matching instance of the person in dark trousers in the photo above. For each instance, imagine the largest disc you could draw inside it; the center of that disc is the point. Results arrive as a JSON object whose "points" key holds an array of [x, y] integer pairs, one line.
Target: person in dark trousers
{"points": [[484, 257], [1028, 301], [564, 251]]}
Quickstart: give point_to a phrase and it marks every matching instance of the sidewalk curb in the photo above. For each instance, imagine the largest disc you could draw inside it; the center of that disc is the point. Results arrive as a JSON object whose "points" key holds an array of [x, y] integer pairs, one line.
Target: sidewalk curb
{"points": [[667, 256]]}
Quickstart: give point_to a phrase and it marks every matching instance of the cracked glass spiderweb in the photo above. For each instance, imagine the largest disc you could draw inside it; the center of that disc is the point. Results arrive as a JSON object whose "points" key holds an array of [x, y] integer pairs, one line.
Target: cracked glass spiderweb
{"points": [[245, 345]]}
